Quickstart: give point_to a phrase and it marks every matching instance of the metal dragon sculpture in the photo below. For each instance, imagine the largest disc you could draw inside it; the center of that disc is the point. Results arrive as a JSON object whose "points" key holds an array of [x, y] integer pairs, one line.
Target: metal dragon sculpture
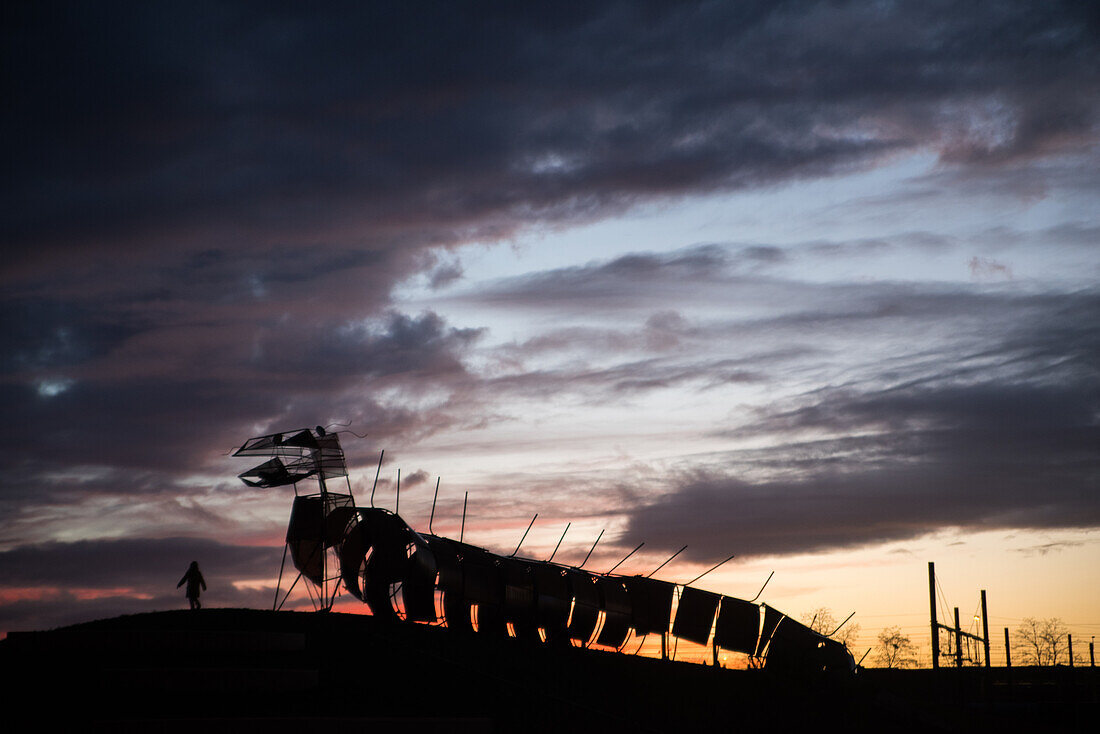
{"points": [[405, 575]]}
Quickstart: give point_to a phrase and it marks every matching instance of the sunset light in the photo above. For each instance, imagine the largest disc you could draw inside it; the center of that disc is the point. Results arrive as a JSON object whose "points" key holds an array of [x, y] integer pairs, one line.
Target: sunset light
{"points": [[811, 287]]}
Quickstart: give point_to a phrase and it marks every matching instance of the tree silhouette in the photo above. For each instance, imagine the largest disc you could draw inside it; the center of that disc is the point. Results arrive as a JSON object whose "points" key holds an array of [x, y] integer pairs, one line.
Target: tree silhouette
{"points": [[822, 620], [895, 650], [1041, 641]]}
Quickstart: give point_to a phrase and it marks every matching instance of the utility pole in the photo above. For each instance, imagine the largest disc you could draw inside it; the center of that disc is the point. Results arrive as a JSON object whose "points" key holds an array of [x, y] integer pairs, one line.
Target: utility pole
{"points": [[985, 629], [958, 641], [932, 607], [1069, 639], [1008, 651]]}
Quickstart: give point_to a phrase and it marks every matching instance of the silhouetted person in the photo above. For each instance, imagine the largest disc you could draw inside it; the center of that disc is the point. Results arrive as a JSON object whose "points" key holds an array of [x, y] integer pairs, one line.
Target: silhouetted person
{"points": [[194, 580]]}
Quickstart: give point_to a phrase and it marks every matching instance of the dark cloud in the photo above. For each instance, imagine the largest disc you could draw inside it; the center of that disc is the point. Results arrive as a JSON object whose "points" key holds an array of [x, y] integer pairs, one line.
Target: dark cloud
{"points": [[132, 562], [51, 584], [61, 608], [753, 281], [42, 335], [1047, 548], [919, 484], [634, 280], [445, 274], [902, 347], [477, 117], [417, 477], [709, 279], [206, 201], [1010, 443], [167, 420], [1074, 233], [853, 493], [402, 346], [611, 384], [987, 417], [135, 422]]}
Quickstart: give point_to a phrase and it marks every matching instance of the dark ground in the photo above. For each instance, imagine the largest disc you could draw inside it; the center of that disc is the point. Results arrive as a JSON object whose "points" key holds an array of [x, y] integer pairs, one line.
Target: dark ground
{"points": [[236, 670]]}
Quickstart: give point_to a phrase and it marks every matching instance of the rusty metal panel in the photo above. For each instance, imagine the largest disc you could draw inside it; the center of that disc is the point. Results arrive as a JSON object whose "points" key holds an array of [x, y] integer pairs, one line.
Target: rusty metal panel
{"points": [[794, 646], [651, 604], [418, 587], [738, 625], [616, 605], [695, 614], [456, 611], [519, 597], [552, 598], [771, 619], [586, 606]]}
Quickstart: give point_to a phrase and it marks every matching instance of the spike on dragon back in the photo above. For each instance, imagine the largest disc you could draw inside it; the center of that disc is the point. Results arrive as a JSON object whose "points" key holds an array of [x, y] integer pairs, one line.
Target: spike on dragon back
{"points": [[400, 574]]}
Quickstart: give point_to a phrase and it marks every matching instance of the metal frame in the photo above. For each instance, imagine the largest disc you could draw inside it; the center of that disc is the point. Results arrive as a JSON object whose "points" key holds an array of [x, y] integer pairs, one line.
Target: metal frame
{"points": [[320, 457]]}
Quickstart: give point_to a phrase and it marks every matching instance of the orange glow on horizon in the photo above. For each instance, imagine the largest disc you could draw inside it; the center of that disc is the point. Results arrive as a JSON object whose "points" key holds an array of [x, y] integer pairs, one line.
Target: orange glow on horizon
{"points": [[34, 593], [10, 595]]}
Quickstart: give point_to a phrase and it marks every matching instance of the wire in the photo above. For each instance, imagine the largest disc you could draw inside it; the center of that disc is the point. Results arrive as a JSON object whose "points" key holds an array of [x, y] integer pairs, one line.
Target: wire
{"points": [[942, 595], [354, 434]]}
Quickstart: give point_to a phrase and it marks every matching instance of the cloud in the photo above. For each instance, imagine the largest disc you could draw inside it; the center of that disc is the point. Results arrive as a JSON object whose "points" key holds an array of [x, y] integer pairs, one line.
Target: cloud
{"points": [[1047, 548], [1007, 442], [402, 346], [393, 122], [126, 405], [637, 278], [131, 426], [132, 562], [984, 268], [756, 283], [51, 584], [933, 406], [898, 486], [417, 477], [444, 275], [209, 209], [57, 608]]}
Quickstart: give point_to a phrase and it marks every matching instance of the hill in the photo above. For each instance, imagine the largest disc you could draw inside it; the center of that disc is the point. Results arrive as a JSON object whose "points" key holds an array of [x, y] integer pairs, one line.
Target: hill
{"points": [[249, 670]]}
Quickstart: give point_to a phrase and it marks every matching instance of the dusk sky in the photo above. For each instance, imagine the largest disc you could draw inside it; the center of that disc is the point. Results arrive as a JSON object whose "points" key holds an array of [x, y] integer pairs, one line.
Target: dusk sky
{"points": [[813, 283]]}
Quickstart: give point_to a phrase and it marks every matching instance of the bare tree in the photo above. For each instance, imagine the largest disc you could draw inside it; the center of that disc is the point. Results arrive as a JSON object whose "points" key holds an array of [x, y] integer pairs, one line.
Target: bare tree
{"points": [[822, 620], [895, 650], [1041, 641]]}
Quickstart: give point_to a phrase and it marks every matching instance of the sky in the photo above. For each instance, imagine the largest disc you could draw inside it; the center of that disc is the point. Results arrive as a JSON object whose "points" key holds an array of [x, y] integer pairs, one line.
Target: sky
{"points": [[812, 283]]}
